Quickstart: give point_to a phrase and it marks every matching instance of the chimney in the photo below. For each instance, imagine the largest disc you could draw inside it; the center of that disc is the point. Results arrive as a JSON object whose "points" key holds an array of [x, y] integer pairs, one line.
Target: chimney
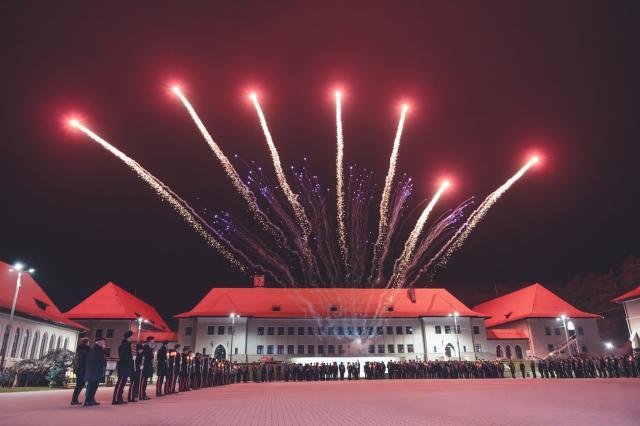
{"points": [[258, 281]]}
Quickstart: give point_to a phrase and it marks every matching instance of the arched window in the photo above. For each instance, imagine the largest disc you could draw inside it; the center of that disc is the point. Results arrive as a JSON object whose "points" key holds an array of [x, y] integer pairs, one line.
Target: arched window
{"points": [[66, 343], [59, 343], [448, 350], [508, 351], [16, 341], [5, 339], [25, 344], [34, 345], [220, 352], [499, 353], [518, 352], [43, 345], [52, 342]]}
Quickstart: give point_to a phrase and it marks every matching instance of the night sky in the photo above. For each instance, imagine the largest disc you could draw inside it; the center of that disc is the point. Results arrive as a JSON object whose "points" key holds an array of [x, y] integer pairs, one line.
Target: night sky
{"points": [[489, 83]]}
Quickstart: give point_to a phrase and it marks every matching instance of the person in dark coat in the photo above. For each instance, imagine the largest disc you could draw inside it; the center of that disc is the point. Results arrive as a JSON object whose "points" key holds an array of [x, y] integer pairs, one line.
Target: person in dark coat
{"points": [[125, 368], [147, 367], [522, 368], [134, 389], [162, 367], [176, 368], [79, 368], [512, 368], [95, 369]]}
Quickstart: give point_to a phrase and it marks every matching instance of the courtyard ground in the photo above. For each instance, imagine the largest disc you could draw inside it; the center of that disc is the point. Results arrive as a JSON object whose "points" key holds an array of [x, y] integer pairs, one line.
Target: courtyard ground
{"points": [[382, 402]]}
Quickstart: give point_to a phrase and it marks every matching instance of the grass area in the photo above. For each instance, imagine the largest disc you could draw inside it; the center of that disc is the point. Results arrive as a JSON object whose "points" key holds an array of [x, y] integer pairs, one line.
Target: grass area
{"points": [[27, 389]]}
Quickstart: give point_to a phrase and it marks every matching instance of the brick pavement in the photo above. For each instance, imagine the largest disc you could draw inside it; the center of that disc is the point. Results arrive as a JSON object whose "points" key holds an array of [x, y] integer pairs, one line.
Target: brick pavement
{"points": [[397, 402]]}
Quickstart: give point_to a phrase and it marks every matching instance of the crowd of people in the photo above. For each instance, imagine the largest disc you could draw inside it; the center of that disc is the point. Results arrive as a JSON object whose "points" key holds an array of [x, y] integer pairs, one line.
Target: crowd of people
{"points": [[182, 370]]}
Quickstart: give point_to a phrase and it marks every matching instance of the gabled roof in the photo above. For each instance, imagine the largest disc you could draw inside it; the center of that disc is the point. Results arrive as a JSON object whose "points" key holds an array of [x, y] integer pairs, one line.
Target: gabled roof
{"points": [[32, 301], [633, 294], [319, 302], [506, 334], [159, 336], [113, 302], [533, 301]]}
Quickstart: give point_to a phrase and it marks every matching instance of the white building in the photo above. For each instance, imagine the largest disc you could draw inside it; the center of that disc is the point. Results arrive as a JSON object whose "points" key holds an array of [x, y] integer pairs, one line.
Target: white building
{"points": [[38, 325], [631, 303], [533, 317], [334, 324]]}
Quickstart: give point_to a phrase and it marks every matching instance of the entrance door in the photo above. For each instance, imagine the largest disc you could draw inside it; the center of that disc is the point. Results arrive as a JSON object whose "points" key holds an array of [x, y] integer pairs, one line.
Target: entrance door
{"points": [[448, 350], [220, 352]]}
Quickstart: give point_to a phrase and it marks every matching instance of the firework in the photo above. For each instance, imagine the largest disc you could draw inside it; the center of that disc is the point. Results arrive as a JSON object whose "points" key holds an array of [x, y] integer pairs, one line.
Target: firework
{"points": [[383, 226], [342, 237], [166, 194]]}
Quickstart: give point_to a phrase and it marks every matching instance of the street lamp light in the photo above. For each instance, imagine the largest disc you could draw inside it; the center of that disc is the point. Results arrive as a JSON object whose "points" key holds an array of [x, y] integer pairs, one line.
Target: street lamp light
{"points": [[140, 322], [455, 329], [233, 317], [564, 319], [608, 345], [20, 269]]}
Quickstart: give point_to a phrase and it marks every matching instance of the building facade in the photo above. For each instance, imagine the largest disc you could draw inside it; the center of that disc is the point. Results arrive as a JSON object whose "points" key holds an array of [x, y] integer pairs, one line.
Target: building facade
{"points": [[38, 325], [630, 301]]}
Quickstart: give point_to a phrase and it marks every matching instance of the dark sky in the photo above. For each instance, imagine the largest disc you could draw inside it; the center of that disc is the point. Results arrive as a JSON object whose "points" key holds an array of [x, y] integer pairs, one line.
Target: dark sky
{"points": [[489, 82]]}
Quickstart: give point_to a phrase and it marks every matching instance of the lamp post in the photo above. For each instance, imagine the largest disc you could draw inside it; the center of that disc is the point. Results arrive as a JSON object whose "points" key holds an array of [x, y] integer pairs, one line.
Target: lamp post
{"points": [[455, 330], [20, 269], [233, 317], [564, 319], [140, 322]]}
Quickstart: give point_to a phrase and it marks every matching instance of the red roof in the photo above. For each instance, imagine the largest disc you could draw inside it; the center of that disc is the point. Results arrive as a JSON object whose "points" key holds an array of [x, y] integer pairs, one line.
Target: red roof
{"points": [[32, 300], [318, 302], [506, 334], [113, 302], [633, 294], [159, 336], [533, 301]]}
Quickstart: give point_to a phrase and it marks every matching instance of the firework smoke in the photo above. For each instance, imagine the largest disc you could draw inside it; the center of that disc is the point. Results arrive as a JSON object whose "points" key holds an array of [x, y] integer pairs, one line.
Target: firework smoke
{"points": [[342, 237]]}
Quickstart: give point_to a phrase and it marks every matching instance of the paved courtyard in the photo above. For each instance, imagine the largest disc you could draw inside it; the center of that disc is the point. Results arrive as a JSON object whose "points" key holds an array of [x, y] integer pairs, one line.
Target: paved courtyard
{"points": [[397, 402]]}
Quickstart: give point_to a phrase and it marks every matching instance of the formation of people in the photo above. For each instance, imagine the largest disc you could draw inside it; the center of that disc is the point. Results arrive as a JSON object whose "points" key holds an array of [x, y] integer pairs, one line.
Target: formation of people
{"points": [[182, 370]]}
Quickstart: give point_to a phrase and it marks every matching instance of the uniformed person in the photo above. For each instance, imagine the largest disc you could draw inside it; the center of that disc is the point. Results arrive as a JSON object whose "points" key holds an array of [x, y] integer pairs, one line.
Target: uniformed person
{"points": [[94, 371], [176, 368], [134, 389], [79, 369], [162, 367], [125, 368], [147, 367]]}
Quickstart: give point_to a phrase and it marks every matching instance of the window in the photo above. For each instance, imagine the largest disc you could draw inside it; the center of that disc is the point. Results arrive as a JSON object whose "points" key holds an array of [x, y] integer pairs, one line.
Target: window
{"points": [[311, 349], [16, 340], [464, 348], [390, 349], [300, 331], [260, 350], [360, 331], [557, 331], [476, 329], [550, 347], [320, 331], [310, 331], [333, 308], [518, 350], [98, 333], [435, 349], [547, 331], [499, 353], [408, 329], [581, 331], [372, 349], [438, 329], [25, 344], [43, 344], [221, 330], [280, 331], [235, 351], [211, 330], [508, 351], [275, 308], [280, 349], [350, 331], [260, 331], [34, 346], [410, 348], [400, 349], [330, 331], [188, 331], [389, 330], [269, 349], [270, 331], [447, 329], [340, 331], [478, 348], [320, 349], [584, 348], [399, 330], [380, 349], [230, 330], [340, 349], [300, 349], [458, 329], [370, 331], [290, 349], [59, 342], [331, 349], [379, 330]]}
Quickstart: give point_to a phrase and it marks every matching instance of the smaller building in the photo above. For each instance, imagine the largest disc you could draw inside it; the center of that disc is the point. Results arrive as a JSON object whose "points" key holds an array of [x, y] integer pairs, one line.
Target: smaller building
{"points": [[539, 322], [111, 311], [38, 325], [631, 304]]}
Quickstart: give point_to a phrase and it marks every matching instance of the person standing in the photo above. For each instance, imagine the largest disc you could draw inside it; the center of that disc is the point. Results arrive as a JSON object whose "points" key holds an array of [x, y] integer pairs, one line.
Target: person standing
{"points": [[162, 367], [522, 368], [125, 368], [512, 368], [95, 370], [176, 368], [341, 368], [147, 367], [134, 388], [79, 369]]}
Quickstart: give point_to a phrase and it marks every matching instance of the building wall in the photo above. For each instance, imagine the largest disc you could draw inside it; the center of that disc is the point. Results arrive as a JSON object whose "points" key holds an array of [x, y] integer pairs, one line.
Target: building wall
{"points": [[437, 343], [509, 346], [632, 309], [29, 331], [111, 330]]}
